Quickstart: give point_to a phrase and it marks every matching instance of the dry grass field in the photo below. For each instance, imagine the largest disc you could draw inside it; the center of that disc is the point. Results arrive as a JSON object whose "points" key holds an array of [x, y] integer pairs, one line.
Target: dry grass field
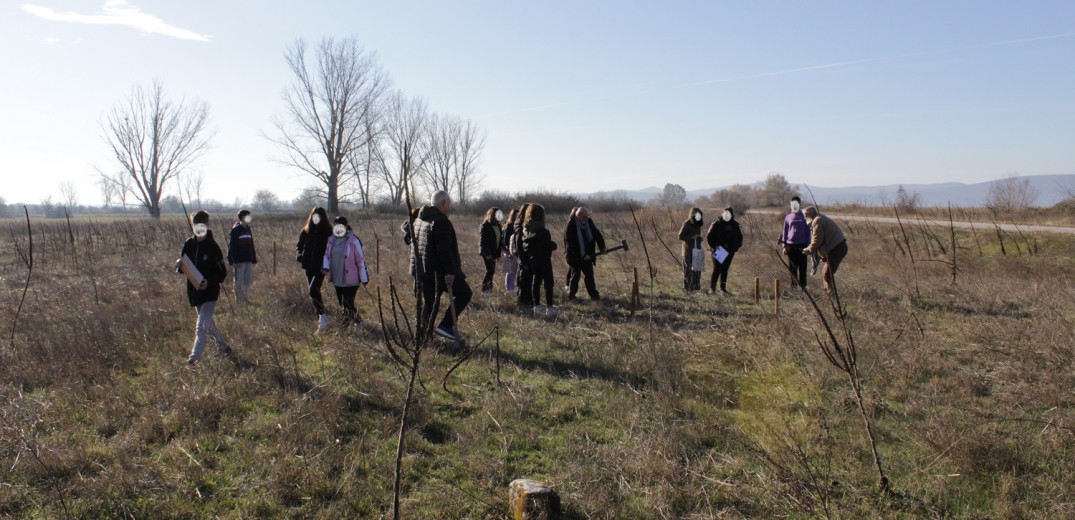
{"points": [[689, 406]]}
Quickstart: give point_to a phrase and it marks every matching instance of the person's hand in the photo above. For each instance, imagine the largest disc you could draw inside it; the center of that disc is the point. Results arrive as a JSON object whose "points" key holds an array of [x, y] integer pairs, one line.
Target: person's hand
{"points": [[449, 279], [178, 263], [587, 258], [785, 248], [203, 285]]}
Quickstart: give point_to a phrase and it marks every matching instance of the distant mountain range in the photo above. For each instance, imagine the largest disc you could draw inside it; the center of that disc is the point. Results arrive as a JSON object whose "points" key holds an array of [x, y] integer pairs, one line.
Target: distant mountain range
{"points": [[1051, 190]]}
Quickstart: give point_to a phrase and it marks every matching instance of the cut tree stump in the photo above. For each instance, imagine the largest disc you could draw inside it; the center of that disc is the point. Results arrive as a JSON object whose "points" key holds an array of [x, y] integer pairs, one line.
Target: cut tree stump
{"points": [[532, 500]]}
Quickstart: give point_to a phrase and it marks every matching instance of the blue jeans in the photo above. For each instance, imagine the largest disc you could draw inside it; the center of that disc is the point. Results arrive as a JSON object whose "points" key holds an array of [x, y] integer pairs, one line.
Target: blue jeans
{"points": [[206, 327]]}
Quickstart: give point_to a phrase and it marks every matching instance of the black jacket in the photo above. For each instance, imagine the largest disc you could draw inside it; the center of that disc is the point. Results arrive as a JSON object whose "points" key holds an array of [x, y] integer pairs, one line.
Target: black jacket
{"points": [[437, 247], [491, 240], [310, 250], [574, 250], [689, 233], [724, 234], [209, 261], [538, 243], [241, 245]]}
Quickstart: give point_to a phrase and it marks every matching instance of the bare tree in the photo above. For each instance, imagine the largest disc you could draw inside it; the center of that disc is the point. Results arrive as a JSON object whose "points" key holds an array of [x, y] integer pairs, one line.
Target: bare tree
{"points": [[775, 191], [365, 168], [108, 191], [403, 152], [194, 188], [672, 195], [1012, 194], [154, 140], [471, 144], [443, 141], [266, 201], [907, 202], [329, 109], [69, 193]]}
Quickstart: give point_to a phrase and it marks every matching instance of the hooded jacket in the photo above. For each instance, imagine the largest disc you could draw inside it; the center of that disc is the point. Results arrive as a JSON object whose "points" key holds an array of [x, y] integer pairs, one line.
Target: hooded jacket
{"points": [[538, 243], [573, 245], [796, 232], [241, 245], [437, 247], [209, 260], [354, 261], [689, 232], [725, 234]]}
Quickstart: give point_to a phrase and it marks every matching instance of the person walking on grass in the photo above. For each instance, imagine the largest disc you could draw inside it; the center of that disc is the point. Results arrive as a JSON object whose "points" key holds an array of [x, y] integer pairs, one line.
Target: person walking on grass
{"points": [[690, 233], [526, 276], [242, 255], [826, 238], [205, 256], [582, 241], [794, 238], [436, 260], [724, 238], [539, 245], [344, 263], [310, 253], [490, 244], [511, 260]]}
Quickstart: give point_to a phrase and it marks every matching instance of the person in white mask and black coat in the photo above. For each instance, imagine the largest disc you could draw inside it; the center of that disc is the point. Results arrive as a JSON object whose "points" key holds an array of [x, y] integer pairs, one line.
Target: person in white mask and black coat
{"points": [[207, 258], [310, 252], [723, 233]]}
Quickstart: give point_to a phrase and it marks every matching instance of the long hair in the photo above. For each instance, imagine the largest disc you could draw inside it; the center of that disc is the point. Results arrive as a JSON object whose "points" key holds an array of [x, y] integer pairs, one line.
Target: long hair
{"points": [[490, 216], [536, 213], [323, 228], [511, 215]]}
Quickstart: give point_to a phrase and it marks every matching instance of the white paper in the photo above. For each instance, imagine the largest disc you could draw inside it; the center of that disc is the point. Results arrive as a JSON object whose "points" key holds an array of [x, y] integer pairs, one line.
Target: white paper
{"points": [[720, 254]]}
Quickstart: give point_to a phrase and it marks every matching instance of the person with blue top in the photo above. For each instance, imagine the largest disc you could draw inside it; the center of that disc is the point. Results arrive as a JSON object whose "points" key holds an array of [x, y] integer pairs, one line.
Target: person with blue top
{"points": [[795, 238]]}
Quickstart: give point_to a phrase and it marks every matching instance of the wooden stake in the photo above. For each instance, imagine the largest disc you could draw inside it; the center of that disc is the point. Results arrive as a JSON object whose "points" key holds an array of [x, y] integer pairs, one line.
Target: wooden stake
{"points": [[377, 265], [757, 290], [274, 258], [776, 292]]}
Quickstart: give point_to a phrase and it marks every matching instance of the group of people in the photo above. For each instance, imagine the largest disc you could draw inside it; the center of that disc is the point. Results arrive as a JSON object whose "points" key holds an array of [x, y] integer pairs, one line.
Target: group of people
{"points": [[521, 240]]}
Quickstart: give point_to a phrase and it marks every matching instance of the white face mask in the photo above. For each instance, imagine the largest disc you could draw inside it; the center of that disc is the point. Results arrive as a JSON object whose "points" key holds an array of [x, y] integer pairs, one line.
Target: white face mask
{"points": [[499, 216], [698, 216], [794, 206], [339, 230], [200, 230], [727, 216], [316, 219], [247, 219]]}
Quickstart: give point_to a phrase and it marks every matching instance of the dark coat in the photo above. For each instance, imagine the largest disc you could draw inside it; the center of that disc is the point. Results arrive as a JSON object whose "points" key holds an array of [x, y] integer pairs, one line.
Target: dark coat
{"points": [[437, 247], [574, 250], [209, 260], [538, 243], [310, 249], [689, 233], [725, 234], [509, 230], [241, 245], [491, 239]]}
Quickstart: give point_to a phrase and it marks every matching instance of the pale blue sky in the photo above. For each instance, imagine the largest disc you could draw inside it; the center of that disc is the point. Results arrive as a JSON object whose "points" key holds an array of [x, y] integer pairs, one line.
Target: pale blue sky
{"points": [[576, 96]]}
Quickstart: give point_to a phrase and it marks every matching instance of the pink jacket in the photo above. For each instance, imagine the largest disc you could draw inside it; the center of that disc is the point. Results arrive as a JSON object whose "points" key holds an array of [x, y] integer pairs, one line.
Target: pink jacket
{"points": [[354, 262]]}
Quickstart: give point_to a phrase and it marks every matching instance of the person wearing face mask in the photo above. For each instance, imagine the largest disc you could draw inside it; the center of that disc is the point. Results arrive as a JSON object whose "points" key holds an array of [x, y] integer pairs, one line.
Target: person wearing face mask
{"points": [[344, 264], [691, 236], [511, 260], [793, 240], [205, 254], [310, 253], [489, 246], [436, 261], [826, 238], [242, 255], [582, 241], [539, 245], [526, 277], [723, 233]]}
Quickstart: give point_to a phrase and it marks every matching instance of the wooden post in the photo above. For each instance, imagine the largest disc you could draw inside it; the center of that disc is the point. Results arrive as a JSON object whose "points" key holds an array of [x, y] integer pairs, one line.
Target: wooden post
{"points": [[757, 290], [377, 267], [634, 291], [274, 258], [776, 300], [498, 356]]}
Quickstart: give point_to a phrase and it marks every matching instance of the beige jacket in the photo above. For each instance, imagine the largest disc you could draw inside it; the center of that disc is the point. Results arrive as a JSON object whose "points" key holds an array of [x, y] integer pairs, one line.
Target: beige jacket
{"points": [[825, 234]]}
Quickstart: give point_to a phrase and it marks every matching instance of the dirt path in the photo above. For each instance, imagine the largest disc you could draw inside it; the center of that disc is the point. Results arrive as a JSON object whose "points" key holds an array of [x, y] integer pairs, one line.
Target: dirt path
{"points": [[944, 223]]}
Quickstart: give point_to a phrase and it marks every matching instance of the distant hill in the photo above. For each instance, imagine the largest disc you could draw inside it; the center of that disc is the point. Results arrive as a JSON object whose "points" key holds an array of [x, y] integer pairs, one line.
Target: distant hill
{"points": [[1051, 190]]}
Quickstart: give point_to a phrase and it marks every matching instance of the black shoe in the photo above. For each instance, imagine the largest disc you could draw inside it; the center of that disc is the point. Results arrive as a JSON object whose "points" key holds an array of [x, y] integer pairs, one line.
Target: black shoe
{"points": [[446, 332]]}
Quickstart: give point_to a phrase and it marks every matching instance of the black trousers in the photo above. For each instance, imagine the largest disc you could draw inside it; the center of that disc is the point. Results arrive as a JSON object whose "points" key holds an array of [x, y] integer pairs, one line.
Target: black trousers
{"points": [[346, 297], [313, 283], [583, 268], [542, 274], [797, 263], [692, 280], [432, 288], [525, 284], [490, 270], [720, 272]]}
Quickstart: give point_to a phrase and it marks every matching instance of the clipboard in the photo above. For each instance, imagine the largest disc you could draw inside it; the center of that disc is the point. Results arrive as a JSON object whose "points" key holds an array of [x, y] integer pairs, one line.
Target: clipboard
{"points": [[720, 254], [193, 275]]}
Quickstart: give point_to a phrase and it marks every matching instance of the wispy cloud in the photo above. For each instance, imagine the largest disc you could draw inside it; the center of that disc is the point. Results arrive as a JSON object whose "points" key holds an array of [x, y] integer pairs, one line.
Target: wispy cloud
{"points": [[117, 12]]}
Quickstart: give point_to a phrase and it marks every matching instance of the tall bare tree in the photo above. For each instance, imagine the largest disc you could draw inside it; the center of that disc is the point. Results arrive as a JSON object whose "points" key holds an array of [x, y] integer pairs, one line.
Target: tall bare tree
{"points": [[194, 188], [154, 140], [442, 135], [329, 109], [1010, 195], [403, 151], [471, 145], [365, 167], [69, 193]]}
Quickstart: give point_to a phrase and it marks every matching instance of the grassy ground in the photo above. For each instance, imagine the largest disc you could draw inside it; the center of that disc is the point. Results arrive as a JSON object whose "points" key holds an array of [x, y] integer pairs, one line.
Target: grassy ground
{"points": [[690, 406]]}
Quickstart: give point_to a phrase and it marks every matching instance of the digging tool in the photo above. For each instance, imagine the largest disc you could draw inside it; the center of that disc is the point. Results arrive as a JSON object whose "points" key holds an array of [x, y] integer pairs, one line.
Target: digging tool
{"points": [[623, 246]]}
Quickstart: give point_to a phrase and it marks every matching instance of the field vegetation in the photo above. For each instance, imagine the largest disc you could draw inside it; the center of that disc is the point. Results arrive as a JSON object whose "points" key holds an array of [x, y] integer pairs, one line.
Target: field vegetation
{"points": [[688, 405]]}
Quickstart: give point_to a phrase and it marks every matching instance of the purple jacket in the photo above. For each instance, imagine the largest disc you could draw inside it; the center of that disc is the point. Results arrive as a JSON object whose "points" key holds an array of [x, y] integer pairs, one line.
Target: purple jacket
{"points": [[796, 232], [354, 262]]}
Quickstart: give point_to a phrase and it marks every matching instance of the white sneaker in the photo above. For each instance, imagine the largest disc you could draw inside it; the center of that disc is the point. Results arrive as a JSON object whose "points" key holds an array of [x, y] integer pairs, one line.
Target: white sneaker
{"points": [[552, 311], [359, 325], [322, 323], [540, 309]]}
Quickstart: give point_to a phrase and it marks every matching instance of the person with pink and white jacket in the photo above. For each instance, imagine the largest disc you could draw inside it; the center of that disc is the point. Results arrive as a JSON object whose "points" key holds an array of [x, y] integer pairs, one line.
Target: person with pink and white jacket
{"points": [[344, 265]]}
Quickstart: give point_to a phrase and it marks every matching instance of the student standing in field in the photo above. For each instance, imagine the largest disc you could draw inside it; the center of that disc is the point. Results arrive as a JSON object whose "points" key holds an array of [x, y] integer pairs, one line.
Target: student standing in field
{"points": [[437, 255], [489, 246], [526, 276], [205, 254], [826, 238], [310, 253], [344, 263], [242, 255], [690, 233], [511, 260], [723, 233], [795, 237], [539, 245], [582, 241]]}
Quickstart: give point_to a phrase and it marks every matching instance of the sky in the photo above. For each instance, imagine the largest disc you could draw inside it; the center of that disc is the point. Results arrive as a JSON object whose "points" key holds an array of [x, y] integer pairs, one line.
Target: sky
{"points": [[575, 96]]}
